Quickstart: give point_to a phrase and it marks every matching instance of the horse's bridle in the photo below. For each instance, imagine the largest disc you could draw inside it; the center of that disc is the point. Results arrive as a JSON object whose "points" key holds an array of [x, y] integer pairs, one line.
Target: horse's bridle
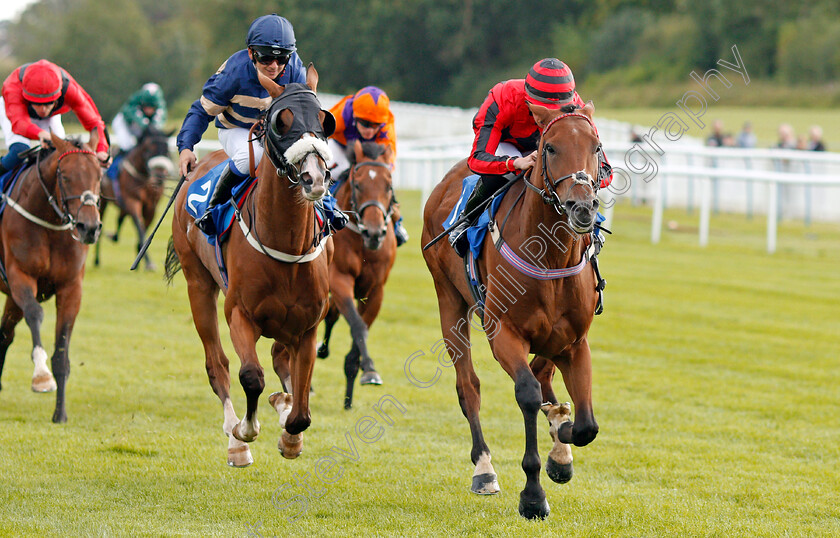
{"points": [[581, 177], [87, 198], [359, 209]]}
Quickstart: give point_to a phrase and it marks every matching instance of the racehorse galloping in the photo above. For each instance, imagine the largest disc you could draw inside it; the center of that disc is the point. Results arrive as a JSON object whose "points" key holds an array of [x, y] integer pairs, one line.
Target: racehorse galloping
{"points": [[547, 312], [364, 255], [141, 177], [51, 217], [269, 294]]}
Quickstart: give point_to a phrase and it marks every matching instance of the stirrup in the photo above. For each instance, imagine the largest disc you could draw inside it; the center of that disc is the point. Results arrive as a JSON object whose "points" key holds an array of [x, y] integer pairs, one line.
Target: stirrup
{"points": [[401, 234], [205, 222], [458, 238]]}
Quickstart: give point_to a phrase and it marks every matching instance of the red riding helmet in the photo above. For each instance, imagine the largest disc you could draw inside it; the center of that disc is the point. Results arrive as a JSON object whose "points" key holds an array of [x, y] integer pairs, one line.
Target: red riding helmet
{"points": [[41, 82], [371, 104], [550, 83]]}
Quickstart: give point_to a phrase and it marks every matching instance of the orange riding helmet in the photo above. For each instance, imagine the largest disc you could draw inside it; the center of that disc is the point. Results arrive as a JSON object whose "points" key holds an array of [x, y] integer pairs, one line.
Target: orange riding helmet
{"points": [[41, 82], [371, 104]]}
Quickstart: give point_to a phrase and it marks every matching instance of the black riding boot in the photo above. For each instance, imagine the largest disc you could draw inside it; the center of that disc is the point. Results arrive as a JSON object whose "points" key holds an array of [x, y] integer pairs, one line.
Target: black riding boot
{"points": [[484, 189], [221, 194]]}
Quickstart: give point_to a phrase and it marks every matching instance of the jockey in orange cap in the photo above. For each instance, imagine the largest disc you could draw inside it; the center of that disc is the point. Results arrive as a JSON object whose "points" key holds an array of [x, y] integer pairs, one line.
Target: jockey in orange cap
{"points": [[34, 97], [365, 116]]}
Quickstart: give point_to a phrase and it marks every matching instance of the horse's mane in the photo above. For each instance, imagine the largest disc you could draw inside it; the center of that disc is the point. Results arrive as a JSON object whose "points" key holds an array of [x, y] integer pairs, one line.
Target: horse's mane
{"points": [[370, 150]]}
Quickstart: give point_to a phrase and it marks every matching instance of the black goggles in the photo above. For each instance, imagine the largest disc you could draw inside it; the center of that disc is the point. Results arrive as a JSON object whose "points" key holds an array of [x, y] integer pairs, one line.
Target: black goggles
{"points": [[268, 59]]}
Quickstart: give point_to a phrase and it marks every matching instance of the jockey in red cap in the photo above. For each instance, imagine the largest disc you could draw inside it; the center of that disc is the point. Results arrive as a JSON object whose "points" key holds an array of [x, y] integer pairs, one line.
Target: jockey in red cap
{"points": [[506, 134], [34, 97]]}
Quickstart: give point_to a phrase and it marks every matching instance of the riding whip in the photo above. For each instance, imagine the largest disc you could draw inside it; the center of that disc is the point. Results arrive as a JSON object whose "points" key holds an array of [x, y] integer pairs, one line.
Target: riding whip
{"points": [[151, 236]]}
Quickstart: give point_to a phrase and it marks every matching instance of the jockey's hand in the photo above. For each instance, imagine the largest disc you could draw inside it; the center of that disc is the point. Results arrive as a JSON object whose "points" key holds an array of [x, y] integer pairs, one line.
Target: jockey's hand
{"points": [[104, 158], [45, 139], [186, 161], [526, 162]]}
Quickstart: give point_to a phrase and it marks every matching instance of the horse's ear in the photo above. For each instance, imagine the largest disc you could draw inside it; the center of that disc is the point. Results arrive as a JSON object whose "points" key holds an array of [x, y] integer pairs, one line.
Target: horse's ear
{"points": [[588, 109], [273, 89], [312, 77], [59, 142], [542, 115], [357, 150]]}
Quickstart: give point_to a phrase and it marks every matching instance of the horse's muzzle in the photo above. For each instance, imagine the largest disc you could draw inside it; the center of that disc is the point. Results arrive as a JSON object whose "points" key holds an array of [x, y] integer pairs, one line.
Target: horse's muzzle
{"points": [[581, 215], [374, 237], [88, 233]]}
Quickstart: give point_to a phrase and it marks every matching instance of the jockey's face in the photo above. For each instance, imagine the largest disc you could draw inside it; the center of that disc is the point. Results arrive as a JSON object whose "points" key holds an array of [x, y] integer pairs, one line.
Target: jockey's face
{"points": [[367, 130], [272, 70], [43, 109], [149, 111]]}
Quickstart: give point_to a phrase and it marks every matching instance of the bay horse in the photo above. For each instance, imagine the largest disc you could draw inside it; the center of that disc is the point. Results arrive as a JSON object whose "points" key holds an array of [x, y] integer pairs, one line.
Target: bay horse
{"points": [[547, 312], [52, 215], [141, 177], [364, 254], [277, 266]]}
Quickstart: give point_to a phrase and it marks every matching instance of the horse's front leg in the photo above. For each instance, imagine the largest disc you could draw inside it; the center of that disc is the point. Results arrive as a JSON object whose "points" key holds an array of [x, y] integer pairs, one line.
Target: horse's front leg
{"points": [[134, 210], [23, 289], [576, 367], [512, 353], [294, 408], [244, 334], [68, 300], [12, 315]]}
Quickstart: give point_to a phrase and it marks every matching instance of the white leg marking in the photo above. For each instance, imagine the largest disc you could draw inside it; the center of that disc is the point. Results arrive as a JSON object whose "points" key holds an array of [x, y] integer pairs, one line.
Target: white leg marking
{"points": [[557, 415], [282, 403], [39, 357], [484, 466], [230, 417]]}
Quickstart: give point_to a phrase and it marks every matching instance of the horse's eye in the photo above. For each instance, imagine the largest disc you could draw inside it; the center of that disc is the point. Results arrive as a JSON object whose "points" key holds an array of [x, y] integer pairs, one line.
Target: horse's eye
{"points": [[550, 149]]}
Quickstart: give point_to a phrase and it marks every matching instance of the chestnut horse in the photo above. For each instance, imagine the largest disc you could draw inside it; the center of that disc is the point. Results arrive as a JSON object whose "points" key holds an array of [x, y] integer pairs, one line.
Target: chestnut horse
{"points": [[547, 312], [141, 177], [277, 265], [51, 217], [364, 255]]}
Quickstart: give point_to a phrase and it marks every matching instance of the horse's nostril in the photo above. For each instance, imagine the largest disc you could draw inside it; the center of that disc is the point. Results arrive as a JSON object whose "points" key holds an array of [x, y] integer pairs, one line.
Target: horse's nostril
{"points": [[596, 204], [570, 205]]}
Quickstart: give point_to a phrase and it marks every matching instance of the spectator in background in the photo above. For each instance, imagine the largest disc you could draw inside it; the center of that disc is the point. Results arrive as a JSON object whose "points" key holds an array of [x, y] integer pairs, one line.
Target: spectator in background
{"points": [[802, 142], [634, 136], [816, 142], [728, 140], [746, 138], [716, 138], [787, 140]]}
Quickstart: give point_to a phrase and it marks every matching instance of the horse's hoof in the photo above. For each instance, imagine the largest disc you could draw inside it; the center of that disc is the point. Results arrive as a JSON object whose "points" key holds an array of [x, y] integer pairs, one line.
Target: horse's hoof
{"points": [[151, 267], [237, 433], [323, 351], [370, 378], [485, 484], [59, 418], [290, 446], [537, 509], [239, 456], [558, 472], [43, 383], [113, 237]]}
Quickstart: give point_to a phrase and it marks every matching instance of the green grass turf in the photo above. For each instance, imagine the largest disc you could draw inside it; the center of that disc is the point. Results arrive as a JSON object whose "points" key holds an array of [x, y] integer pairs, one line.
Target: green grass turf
{"points": [[716, 387]]}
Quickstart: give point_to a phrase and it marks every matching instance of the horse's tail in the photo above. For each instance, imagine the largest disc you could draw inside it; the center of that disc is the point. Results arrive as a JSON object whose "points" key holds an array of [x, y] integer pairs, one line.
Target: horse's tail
{"points": [[173, 264]]}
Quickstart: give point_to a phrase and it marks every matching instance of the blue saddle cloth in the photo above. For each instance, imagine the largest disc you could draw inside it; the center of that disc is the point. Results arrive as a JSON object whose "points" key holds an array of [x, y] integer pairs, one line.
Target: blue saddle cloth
{"points": [[9, 180], [113, 173], [477, 232]]}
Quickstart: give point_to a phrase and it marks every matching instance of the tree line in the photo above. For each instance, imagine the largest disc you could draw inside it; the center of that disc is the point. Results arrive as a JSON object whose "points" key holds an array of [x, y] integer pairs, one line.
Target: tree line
{"points": [[433, 51]]}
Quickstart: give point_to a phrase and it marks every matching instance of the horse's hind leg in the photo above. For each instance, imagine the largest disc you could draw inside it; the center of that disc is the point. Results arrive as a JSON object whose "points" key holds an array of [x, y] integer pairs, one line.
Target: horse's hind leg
{"points": [[298, 418], [134, 208], [280, 360], [368, 310], [454, 322], [329, 322], [67, 303], [558, 465], [203, 293], [11, 317], [23, 292], [244, 334]]}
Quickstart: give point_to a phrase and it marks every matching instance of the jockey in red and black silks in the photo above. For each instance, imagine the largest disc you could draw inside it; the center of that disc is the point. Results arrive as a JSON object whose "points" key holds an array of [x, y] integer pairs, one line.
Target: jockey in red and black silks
{"points": [[35, 95], [506, 134]]}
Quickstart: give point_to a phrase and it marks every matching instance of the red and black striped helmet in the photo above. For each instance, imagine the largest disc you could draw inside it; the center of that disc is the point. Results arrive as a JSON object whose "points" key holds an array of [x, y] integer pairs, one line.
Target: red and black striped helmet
{"points": [[550, 83]]}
